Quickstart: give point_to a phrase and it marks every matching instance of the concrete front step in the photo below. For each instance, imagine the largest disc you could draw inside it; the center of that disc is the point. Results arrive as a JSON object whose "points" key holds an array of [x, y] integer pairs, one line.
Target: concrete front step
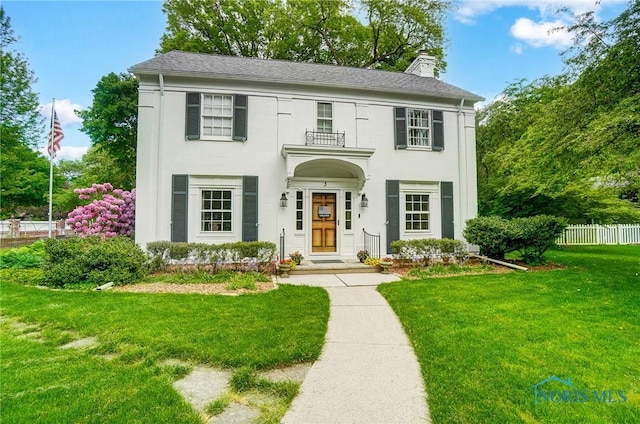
{"points": [[343, 267]]}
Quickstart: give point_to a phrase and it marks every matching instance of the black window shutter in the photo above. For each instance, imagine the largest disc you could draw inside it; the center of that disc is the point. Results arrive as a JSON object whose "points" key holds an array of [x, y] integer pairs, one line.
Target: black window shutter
{"points": [[179, 207], [249, 208], [446, 207], [401, 127], [393, 212], [438, 130], [192, 126], [240, 117]]}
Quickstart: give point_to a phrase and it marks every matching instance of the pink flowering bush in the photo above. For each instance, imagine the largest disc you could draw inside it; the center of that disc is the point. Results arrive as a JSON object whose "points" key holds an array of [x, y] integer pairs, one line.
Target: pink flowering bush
{"points": [[111, 212]]}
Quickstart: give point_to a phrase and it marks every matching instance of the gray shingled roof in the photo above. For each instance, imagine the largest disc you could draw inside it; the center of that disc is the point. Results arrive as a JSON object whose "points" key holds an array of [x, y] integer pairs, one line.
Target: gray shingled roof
{"points": [[280, 71]]}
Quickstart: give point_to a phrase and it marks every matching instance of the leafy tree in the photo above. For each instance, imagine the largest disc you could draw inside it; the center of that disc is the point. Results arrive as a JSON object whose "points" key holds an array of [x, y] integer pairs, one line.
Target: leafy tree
{"points": [[569, 145], [383, 34], [25, 180], [20, 119], [25, 172], [111, 123]]}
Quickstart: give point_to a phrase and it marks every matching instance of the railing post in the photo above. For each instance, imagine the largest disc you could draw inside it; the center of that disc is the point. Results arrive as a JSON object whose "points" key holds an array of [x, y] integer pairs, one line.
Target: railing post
{"points": [[282, 244]]}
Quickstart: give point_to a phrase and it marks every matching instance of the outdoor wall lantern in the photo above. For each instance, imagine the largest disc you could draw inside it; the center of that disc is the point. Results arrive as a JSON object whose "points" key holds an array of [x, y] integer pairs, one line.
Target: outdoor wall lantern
{"points": [[283, 200], [364, 202]]}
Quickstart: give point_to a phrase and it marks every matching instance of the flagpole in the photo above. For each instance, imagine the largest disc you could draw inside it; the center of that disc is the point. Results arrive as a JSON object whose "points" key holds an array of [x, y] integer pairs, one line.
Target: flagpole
{"points": [[51, 152]]}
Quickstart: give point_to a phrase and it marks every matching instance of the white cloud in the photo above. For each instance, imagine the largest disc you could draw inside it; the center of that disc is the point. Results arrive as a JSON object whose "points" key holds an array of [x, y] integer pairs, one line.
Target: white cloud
{"points": [[541, 34], [517, 48], [66, 152], [535, 28], [65, 110], [468, 10]]}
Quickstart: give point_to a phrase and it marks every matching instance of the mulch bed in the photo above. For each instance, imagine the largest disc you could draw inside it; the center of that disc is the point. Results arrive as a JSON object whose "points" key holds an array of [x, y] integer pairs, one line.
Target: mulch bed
{"points": [[398, 269], [202, 288], [402, 270]]}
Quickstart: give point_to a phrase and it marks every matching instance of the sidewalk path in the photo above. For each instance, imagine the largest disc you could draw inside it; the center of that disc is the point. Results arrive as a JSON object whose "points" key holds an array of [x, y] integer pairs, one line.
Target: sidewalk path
{"points": [[368, 371]]}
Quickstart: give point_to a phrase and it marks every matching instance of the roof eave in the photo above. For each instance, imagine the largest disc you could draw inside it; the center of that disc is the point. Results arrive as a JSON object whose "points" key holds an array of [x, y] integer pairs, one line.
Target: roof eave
{"points": [[142, 71]]}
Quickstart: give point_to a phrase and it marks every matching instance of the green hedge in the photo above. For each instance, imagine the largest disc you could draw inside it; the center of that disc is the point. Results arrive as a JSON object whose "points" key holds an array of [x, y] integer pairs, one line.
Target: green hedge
{"points": [[424, 250], [92, 260], [532, 236], [29, 256], [251, 254]]}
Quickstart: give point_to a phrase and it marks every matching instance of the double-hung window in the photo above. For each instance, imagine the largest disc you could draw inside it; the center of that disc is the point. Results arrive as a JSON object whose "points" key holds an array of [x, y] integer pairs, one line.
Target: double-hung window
{"points": [[215, 212], [325, 117], [217, 115], [211, 116], [416, 212], [418, 127]]}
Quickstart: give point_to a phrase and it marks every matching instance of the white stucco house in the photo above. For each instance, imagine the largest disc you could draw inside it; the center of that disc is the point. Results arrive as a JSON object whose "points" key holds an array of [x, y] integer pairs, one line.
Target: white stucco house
{"points": [[241, 149]]}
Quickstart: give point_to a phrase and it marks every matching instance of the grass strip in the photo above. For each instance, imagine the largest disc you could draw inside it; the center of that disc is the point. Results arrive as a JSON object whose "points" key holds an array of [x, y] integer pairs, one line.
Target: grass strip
{"points": [[42, 384], [483, 342], [280, 327]]}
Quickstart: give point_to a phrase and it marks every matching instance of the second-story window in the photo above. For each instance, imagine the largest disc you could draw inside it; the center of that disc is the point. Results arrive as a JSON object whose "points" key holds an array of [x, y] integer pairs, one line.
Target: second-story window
{"points": [[217, 115], [418, 127], [325, 117]]}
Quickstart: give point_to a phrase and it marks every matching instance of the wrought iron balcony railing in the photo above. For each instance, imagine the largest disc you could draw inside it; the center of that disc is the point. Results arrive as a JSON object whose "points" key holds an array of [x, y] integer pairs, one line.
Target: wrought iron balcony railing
{"points": [[317, 138]]}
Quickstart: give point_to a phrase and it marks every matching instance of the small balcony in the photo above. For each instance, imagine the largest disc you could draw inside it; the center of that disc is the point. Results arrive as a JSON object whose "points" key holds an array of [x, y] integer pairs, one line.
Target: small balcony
{"points": [[317, 138]]}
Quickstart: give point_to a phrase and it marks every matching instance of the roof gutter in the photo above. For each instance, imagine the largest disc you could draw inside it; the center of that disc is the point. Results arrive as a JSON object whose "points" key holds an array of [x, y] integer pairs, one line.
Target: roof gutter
{"points": [[295, 83]]}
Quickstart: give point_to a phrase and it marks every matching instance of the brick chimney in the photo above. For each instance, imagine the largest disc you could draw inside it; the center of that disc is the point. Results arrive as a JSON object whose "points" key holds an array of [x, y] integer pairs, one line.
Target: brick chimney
{"points": [[423, 66]]}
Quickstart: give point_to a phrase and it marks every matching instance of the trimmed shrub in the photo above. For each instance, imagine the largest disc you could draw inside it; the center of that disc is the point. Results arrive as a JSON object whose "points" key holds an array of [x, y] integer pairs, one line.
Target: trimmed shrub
{"points": [[532, 236], [250, 255], [493, 234], [536, 235], [424, 250], [93, 260]]}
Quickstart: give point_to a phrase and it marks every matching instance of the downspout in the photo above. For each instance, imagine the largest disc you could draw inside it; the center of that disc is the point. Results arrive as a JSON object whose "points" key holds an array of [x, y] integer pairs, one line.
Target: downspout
{"points": [[159, 185], [462, 178]]}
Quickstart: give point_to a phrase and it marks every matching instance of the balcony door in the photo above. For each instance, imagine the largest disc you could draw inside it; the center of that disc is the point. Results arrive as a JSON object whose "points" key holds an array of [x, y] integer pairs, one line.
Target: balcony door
{"points": [[323, 227]]}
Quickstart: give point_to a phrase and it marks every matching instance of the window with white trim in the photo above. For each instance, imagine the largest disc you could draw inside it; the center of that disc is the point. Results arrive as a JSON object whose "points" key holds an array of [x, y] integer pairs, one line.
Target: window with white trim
{"points": [[348, 203], [215, 211], [418, 127], [417, 212], [299, 210], [325, 117], [217, 115]]}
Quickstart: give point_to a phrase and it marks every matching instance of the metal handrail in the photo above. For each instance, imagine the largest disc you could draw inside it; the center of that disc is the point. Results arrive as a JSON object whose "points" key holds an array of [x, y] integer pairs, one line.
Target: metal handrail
{"points": [[371, 243], [282, 245]]}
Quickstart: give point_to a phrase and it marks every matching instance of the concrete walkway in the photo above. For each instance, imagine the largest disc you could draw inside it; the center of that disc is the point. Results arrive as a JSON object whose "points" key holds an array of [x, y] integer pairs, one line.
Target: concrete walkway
{"points": [[367, 372]]}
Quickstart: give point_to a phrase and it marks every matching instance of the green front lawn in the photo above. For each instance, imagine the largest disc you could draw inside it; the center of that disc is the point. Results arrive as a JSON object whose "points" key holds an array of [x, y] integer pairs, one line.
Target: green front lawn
{"points": [[122, 379], [483, 342]]}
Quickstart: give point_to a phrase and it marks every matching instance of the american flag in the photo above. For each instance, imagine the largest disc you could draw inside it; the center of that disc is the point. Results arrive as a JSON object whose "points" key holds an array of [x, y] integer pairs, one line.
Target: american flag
{"points": [[55, 136]]}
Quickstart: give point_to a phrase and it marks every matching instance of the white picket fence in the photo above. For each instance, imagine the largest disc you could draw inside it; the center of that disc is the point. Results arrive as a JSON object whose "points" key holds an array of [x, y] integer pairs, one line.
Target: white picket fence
{"points": [[600, 234]]}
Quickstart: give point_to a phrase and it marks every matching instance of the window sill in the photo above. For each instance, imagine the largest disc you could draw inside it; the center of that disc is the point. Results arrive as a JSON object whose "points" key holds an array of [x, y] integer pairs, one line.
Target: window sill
{"points": [[420, 148], [224, 139]]}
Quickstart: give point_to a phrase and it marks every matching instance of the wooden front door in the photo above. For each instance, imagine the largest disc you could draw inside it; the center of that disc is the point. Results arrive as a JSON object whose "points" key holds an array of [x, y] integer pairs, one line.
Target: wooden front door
{"points": [[323, 228]]}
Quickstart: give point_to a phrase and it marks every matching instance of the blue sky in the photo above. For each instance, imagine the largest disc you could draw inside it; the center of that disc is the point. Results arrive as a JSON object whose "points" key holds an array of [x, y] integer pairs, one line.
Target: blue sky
{"points": [[70, 45]]}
